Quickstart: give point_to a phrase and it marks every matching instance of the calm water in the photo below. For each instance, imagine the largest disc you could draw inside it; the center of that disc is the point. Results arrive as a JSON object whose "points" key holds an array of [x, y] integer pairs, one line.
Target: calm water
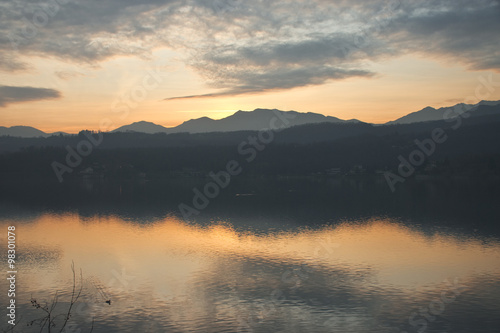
{"points": [[165, 275]]}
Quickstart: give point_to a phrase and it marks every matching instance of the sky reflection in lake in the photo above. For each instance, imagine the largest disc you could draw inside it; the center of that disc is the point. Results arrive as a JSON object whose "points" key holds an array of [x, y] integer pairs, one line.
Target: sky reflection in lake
{"points": [[376, 276]]}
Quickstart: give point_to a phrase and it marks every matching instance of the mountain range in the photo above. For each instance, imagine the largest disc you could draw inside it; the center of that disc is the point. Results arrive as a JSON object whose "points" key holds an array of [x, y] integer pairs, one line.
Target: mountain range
{"points": [[239, 121], [431, 114], [260, 118], [25, 132]]}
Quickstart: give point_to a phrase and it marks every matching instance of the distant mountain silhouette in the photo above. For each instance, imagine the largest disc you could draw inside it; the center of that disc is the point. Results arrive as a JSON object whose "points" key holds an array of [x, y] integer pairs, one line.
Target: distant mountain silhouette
{"points": [[261, 118], [22, 132], [251, 121], [239, 121], [142, 127], [200, 125], [431, 114], [25, 132], [486, 109]]}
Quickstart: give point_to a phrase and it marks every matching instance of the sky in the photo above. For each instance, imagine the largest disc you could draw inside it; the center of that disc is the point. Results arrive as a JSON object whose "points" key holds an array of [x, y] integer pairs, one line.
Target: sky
{"points": [[68, 65]]}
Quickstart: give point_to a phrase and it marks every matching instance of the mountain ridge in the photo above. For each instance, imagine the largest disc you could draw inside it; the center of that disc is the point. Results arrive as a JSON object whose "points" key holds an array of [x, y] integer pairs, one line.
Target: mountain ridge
{"points": [[238, 121], [25, 132], [430, 114], [259, 119]]}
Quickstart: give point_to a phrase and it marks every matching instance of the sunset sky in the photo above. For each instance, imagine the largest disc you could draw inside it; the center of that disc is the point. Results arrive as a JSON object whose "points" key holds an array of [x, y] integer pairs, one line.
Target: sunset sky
{"points": [[65, 65]]}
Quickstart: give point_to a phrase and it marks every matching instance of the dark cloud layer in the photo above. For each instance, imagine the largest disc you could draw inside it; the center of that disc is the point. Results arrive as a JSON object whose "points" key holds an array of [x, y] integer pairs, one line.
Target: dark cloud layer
{"points": [[463, 31], [9, 94], [245, 83], [253, 46]]}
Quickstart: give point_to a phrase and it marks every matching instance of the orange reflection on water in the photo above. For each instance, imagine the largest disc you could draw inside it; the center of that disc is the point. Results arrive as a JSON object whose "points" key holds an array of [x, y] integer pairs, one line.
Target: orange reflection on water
{"points": [[207, 279], [173, 250]]}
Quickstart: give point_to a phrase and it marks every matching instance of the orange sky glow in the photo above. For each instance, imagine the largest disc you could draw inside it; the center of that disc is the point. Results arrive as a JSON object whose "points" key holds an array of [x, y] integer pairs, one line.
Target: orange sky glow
{"points": [[124, 78]]}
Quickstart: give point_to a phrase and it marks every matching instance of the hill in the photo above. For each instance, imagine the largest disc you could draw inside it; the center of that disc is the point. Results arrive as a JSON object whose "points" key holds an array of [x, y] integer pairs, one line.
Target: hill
{"points": [[21, 132], [432, 114]]}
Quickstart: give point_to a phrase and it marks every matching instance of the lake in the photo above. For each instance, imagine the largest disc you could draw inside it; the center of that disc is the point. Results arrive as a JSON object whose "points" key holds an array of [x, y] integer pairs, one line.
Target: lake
{"points": [[254, 273]]}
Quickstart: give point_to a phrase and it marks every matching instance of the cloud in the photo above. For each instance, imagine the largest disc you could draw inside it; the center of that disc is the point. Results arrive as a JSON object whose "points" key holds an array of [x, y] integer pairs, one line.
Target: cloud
{"points": [[452, 101], [253, 46], [9, 94], [9, 64], [278, 65], [459, 30], [76, 30], [68, 74], [246, 82]]}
